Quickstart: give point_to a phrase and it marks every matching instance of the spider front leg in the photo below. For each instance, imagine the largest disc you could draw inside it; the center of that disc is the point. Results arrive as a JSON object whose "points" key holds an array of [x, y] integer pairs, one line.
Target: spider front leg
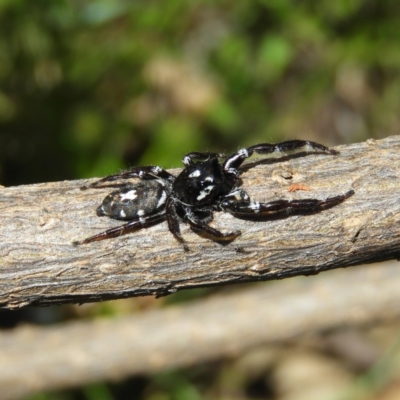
{"points": [[234, 161], [173, 222], [147, 173], [198, 223], [207, 231], [142, 222], [239, 205]]}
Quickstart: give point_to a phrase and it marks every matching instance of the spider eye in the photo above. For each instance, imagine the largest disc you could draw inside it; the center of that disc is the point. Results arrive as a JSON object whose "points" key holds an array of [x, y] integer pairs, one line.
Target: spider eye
{"points": [[204, 184]]}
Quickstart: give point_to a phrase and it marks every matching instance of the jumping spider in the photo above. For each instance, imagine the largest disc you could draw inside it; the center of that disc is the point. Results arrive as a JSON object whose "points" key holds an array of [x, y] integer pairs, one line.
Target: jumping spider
{"points": [[205, 185]]}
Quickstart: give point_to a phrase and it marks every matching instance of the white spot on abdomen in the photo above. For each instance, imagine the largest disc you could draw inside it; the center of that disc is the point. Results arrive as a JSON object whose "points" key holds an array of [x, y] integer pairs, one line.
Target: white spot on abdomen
{"points": [[162, 199], [131, 195]]}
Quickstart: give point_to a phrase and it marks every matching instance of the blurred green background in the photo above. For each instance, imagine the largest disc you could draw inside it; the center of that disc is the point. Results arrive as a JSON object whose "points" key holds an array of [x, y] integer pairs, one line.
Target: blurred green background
{"points": [[91, 87]]}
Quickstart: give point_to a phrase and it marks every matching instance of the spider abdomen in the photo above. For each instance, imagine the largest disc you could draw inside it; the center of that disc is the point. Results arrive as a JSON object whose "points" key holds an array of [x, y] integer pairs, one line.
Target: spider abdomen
{"points": [[134, 201]]}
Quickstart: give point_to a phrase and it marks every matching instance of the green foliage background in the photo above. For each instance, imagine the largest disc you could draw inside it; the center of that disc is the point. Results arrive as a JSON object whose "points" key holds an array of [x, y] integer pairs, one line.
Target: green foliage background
{"points": [[88, 87], [91, 87]]}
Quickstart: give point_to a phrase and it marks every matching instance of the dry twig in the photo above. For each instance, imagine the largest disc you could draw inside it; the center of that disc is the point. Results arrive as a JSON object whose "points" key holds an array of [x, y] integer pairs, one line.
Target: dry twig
{"points": [[40, 266]]}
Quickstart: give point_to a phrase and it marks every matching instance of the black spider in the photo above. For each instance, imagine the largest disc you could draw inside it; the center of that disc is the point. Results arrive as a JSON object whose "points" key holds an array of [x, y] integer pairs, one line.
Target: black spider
{"points": [[205, 185]]}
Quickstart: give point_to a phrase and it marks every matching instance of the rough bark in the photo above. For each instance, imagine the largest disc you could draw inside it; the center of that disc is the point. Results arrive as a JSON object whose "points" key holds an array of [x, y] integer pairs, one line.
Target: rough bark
{"points": [[40, 266], [35, 359]]}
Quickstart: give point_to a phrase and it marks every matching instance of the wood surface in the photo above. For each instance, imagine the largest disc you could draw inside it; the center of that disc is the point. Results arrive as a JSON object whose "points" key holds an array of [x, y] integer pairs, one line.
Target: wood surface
{"points": [[40, 266]]}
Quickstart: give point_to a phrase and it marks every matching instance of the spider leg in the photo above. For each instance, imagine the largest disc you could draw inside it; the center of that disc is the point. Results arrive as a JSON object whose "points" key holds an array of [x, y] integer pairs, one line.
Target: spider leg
{"points": [[240, 206], [200, 226], [234, 161], [211, 233], [199, 156], [173, 222], [147, 173], [142, 222], [204, 215]]}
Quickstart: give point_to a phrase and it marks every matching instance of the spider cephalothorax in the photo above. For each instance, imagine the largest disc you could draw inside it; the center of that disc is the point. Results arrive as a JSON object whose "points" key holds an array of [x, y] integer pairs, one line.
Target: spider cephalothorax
{"points": [[205, 185]]}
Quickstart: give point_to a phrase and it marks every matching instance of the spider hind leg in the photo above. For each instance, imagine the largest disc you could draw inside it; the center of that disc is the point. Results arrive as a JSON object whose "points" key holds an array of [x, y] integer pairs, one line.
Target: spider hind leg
{"points": [[129, 227]]}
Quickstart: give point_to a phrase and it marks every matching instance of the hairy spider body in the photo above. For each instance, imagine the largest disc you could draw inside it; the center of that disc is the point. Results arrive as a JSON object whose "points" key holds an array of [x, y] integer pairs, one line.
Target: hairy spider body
{"points": [[134, 201], [200, 184], [204, 186]]}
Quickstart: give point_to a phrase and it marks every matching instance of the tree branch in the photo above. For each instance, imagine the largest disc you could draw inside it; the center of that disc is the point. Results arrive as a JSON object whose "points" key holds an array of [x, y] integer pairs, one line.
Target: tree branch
{"points": [[40, 266]]}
